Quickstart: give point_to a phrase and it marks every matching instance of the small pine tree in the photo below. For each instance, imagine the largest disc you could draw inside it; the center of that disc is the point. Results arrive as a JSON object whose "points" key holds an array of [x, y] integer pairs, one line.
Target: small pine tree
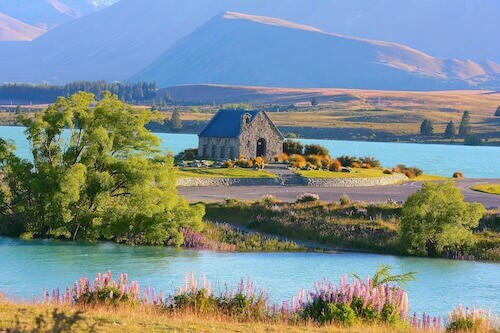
{"points": [[314, 101], [176, 121], [18, 110], [465, 125], [497, 113], [426, 128], [450, 131]]}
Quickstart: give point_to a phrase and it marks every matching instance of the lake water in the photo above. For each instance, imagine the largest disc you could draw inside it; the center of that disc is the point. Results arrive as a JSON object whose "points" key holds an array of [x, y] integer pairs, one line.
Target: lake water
{"points": [[26, 267], [474, 162]]}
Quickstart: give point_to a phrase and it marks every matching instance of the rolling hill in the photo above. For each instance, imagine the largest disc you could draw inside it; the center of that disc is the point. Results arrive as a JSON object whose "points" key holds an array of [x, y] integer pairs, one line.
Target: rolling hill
{"points": [[15, 30], [241, 49], [119, 41]]}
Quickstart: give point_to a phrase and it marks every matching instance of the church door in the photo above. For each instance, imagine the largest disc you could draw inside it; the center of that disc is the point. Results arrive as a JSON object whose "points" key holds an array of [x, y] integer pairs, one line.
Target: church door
{"points": [[261, 147]]}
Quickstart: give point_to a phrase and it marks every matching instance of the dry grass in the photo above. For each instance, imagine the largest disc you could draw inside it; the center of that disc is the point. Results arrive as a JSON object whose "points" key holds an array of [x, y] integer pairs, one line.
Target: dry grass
{"points": [[122, 319]]}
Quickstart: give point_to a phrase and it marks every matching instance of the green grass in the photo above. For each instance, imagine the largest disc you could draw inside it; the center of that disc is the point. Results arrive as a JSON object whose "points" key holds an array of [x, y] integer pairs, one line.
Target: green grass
{"points": [[431, 177], [223, 173], [356, 173], [487, 188]]}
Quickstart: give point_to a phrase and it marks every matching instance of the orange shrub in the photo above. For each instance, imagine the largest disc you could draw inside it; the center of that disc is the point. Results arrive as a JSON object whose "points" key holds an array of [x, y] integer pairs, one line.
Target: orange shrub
{"points": [[335, 166], [244, 163], [228, 164], [258, 161], [315, 160], [355, 165], [366, 166], [458, 174], [410, 174]]}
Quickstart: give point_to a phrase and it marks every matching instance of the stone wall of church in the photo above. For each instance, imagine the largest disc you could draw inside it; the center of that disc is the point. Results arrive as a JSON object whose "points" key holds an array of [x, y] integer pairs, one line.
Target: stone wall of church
{"points": [[218, 148], [260, 128]]}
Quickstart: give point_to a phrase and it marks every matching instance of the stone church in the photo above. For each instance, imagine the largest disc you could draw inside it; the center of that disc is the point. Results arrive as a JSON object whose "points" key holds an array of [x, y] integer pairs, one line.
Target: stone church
{"points": [[234, 133]]}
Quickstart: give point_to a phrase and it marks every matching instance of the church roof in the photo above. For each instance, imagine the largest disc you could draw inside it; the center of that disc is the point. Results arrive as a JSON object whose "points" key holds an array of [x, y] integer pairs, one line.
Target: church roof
{"points": [[226, 124]]}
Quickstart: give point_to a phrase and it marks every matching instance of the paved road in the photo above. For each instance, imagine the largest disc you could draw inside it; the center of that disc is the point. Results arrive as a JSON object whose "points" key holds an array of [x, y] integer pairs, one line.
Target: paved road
{"points": [[367, 194]]}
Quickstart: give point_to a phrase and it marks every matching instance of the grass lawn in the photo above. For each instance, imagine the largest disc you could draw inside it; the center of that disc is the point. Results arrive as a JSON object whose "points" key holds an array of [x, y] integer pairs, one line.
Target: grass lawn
{"points": [[356, 173], [487, 188], [223, 173]]}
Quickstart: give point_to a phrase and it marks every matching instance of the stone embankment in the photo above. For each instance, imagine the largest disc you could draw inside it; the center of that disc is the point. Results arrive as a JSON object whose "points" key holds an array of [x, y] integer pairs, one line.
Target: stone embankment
{"points": [[292, 180]]}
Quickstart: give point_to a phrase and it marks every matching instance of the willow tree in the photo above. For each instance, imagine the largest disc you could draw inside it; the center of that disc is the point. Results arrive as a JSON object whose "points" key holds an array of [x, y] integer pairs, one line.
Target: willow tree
{"points": [[96, 173]]}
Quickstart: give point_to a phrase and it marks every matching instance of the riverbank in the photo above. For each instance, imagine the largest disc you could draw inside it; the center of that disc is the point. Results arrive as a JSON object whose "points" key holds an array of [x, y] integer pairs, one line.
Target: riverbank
{"points": [[355, 226]]}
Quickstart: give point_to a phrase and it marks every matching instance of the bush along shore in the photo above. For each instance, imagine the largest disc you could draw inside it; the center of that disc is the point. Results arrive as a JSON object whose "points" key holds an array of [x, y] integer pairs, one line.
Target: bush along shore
{"points": [[373, 304], [393, 228]]}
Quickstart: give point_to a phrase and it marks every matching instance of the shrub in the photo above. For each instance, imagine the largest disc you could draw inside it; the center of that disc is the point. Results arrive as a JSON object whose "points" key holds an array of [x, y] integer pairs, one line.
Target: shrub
{"points": [[335, 166], [188, 154], [345, 200], [354, 165], [470, 320], [258, 162], [458, 174], [388, 172], [315, 149], [366, 166], [315, 160], [356, 300], [308, 197], [291, 147], [473, 140], [371, 160], [401, 168], [244, 163], [228, 165], [410, 174], [268, 199], [297, 161], [103, 290]]}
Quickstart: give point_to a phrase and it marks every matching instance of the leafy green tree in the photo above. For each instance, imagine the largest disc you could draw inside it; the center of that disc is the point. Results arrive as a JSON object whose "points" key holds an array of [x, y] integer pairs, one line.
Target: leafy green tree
{"points": [[465, 125], [96, 173], [314, 101], [436, 218], [473, 140], [316, 150], [291, 147], [18, 110], [450, 131], [426, 128], [175, 120], [497, 112]]}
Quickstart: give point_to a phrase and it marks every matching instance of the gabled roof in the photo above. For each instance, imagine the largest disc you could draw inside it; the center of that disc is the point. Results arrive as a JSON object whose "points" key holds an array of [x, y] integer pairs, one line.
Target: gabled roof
{"points": [[226, 124]]}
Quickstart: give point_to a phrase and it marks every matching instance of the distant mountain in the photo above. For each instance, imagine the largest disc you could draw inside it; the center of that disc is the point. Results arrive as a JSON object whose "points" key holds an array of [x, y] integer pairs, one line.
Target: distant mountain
{"points": [[241, 49], [123, 39], [15, 30], [47, 14]]}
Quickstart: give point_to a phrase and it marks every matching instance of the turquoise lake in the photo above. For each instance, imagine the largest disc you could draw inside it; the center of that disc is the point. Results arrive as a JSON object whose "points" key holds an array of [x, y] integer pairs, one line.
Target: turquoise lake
{"points": [[26, 267], [474, 162]]}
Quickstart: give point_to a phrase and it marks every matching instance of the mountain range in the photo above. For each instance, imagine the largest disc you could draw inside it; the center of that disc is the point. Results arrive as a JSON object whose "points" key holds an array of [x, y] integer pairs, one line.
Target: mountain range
{"points": [[133, 39], [242, 49]]}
